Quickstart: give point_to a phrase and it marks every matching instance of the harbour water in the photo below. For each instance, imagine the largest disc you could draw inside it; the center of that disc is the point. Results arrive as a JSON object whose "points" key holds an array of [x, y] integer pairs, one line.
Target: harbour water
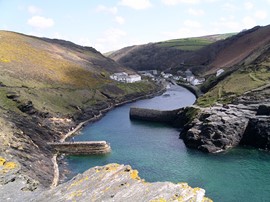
{"points": [[241, 174]]}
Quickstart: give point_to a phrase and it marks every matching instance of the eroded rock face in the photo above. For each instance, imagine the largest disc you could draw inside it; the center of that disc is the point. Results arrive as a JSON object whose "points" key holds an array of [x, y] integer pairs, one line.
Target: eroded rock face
{"points": [[115, 182], [257, 133], [218, 128]]}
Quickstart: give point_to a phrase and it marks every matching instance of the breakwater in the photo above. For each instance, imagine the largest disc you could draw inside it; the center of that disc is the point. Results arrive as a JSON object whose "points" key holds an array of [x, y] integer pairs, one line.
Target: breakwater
{"points": [[81, 148], [164, 116]]}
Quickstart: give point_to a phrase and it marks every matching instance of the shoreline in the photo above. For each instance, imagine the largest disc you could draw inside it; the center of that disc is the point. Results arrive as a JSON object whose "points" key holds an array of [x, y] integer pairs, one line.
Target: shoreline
{"points": [[193, 89], [102, 112]]}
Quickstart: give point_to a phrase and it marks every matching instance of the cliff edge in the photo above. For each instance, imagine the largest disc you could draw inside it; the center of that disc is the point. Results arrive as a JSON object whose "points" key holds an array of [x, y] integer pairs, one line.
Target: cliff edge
{"points": [[115, 182]]}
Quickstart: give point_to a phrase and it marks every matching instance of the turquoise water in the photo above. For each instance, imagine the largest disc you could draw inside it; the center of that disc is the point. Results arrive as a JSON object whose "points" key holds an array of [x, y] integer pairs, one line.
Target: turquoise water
{"points": [[241, 174]]}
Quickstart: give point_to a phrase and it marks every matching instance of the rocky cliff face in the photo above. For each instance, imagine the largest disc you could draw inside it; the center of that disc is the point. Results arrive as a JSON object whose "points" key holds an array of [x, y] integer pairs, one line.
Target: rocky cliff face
{"points": [[115, 182], [221, 127], [217, 128]]}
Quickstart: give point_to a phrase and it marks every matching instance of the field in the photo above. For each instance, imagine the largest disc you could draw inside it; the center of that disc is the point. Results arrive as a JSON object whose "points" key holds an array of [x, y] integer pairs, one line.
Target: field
{"points": [[194, 43]]}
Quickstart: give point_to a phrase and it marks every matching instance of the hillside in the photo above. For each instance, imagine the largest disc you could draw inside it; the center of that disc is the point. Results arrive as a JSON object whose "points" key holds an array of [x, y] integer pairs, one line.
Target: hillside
{"points": [[246, 78], [201, 55], [47, 87], [194, 43], [167, 55], [33, 65]]}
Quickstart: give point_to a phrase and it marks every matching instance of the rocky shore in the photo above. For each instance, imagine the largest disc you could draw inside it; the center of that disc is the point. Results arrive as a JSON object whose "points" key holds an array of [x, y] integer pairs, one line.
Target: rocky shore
{"points": [[26, 143], [245, 122]]}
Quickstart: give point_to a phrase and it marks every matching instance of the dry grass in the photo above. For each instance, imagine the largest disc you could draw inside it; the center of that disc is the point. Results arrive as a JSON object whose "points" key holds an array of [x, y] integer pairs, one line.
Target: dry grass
{"points": [[22, 58]]}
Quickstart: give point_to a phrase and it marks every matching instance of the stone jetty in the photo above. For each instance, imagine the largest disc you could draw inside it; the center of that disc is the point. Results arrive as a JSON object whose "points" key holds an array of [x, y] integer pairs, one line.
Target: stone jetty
{"points": [[81, 148]]}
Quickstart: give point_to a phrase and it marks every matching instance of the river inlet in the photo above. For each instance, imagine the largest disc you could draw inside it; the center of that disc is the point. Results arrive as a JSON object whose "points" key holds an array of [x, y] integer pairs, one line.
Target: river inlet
{"points": [[240, 174]]}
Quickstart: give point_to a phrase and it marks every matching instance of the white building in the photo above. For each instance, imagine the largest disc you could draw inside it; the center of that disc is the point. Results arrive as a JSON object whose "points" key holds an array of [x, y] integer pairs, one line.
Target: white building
{"points": [[220, 71], [133, 78], [124, 77], [119, 76], [166, 76], [197, 81]]}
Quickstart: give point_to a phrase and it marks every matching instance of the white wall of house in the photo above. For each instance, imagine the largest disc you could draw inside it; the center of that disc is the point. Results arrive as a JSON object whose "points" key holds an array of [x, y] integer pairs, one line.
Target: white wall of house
{"points": [[220, 71], [124, 77], [133, 78]]}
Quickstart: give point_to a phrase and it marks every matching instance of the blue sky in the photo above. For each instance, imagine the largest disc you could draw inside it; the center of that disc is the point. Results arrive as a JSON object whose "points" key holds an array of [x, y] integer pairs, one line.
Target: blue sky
{"points": [[112, 24]]}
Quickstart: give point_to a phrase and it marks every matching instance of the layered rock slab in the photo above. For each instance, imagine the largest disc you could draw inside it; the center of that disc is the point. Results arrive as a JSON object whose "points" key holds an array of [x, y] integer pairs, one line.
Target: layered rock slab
{"points": [[115, 182]]}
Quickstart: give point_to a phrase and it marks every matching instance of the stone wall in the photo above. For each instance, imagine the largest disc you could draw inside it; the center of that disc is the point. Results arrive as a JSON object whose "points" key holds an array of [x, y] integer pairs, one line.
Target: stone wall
{"points": [[81, 148], [154, 115]]}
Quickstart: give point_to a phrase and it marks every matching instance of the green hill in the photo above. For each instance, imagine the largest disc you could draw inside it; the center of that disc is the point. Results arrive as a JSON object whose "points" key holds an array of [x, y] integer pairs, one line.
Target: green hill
{"points": [[52, 72], [47, 87], [239, 80], [169, 55], [194, 43]]}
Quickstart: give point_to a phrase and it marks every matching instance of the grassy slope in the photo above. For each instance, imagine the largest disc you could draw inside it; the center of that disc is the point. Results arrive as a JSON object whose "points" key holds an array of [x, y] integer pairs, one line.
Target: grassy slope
{"points": [[194, 43], [173, 55], [54, 76], [61, 79], [246, 78]]}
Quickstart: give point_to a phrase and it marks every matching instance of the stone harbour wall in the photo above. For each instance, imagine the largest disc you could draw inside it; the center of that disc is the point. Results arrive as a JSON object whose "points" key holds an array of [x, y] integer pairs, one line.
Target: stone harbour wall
{"points": [[81, 148], [154, 115]]}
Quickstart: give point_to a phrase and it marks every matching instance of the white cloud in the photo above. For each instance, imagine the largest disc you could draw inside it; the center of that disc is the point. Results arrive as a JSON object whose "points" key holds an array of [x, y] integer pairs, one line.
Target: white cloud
{"points": [[248, 22], [261, 14], [192, 24], [40, 22], [229, 7], [136, 4], [248, 5], [228, 24], [120, 20], [110, 10], [111, 39], [33, 9], [175, 2], [186, 32], [196, 12]]}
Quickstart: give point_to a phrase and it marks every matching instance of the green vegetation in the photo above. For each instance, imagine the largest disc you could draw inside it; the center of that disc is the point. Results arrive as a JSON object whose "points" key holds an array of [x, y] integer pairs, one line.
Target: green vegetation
{"points": [[194, 43], [188, 44], [57, 77], [191, 113], [130, 88], [239, 82]]}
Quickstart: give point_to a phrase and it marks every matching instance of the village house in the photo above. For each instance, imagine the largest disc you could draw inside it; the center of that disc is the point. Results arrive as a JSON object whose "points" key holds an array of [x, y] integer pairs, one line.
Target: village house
{"points": [[133, 78], [220, 71], [125, 78], [197, 81], [166, 75]]}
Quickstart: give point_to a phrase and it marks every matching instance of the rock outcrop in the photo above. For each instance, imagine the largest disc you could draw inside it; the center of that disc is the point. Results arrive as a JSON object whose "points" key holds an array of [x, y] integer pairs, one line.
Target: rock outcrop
{"points": [[246, 122], [257, 133], [217, 128], [115, 182]]}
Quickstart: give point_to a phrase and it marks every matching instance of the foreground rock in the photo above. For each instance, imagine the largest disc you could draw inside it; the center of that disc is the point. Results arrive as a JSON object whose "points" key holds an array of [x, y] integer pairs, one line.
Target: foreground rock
{"points": [[14, 185], [115, 182]]}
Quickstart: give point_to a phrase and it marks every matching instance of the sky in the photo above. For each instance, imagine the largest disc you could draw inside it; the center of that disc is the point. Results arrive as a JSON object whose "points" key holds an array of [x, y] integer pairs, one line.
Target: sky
{"points": [[109, 25]]}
